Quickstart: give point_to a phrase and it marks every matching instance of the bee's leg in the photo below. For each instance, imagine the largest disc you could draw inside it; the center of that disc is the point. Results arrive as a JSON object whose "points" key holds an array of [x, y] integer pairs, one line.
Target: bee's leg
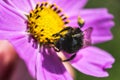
{"points": [[56, 49], [72, 57]]}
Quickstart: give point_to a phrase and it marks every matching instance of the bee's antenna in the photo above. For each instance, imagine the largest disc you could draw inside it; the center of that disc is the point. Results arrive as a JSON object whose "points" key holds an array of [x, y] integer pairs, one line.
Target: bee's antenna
{"points": [[81, 22]]}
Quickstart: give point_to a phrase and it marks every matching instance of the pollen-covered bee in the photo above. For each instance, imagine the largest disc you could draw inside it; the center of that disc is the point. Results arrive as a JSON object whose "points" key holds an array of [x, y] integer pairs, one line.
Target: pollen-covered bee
{"points": [[73, 40]]}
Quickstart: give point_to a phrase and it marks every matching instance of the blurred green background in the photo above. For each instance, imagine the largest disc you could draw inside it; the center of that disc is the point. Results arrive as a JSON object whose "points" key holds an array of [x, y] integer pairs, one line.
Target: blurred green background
{"points": [[112, 46]]}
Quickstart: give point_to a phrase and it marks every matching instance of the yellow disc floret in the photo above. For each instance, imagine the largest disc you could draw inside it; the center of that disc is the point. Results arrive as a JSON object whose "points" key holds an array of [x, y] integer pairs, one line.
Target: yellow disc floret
{"points": [[44, 21]]}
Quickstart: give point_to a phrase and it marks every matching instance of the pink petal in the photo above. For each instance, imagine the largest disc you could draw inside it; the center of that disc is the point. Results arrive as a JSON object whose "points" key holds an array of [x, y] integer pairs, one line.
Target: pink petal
{"points": [[49, 67], [101, 21], [45, 65], [24, 5], [36, 1], [93, 61], [10, 20], [70, 6], [73, 20], [25, 51], [5, 35]]}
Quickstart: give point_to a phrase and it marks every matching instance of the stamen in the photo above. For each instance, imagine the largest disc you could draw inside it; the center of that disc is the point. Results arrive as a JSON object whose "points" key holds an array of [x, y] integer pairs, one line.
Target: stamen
{"points": [[37, 16], [55, 9], [41, 8], [30, 14], [52, 6], [36, 11], [58, 11], [41, 5], [41, 35], [64, 18], [46, 3], [42, 30], [66, 22], [37, 6], [44, 21], [48, 40], [36, 26], [62, 15]]}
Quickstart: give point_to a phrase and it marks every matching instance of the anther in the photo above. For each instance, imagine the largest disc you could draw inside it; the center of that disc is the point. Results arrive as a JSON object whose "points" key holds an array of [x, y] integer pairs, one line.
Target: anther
{"points": [[36, 26], [41, 5], [41, 8], [30, 14], [32, 22], [37, 17], [34, 31], [52, 6], [55, 9], [62, 15], [42, 30], [36, 11], [66, 22], [58, 11], [64, 18], [46, 3], [48, 40], [37, 6], [41, 35]]}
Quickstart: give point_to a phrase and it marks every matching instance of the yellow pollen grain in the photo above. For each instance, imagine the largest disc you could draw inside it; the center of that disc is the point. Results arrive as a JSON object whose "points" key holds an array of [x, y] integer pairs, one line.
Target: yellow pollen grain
{"points": [[43, 22]]}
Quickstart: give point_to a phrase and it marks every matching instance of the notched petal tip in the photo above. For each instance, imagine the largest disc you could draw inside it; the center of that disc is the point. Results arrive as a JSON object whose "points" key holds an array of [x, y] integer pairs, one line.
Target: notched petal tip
{"points": [[110, 63], [94, 62]]}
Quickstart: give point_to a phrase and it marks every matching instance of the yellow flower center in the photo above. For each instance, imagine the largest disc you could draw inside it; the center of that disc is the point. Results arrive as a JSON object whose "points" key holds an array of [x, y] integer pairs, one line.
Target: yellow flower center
{"points": [[44, 21]]}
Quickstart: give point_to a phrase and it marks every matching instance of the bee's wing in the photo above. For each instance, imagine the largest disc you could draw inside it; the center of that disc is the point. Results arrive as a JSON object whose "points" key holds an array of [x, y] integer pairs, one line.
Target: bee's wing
{"points": [[87, 37]]}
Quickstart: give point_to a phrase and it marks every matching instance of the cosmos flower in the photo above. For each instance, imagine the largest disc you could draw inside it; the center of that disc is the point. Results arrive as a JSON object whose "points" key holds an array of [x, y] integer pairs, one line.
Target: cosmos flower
{"points": [[21, 18]]}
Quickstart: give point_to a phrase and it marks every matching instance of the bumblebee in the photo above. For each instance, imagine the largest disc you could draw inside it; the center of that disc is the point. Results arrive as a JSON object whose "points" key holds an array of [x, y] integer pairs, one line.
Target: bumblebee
{"points": [[70, 42]]}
